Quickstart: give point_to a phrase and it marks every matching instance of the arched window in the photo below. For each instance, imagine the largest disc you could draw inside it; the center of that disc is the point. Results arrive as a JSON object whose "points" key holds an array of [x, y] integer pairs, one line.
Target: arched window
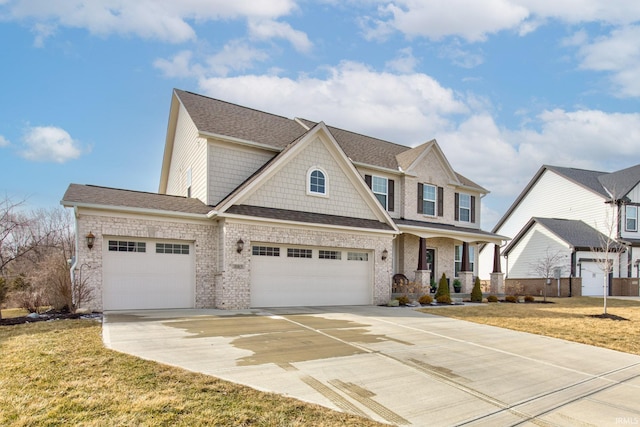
{"points": [[317, 182]]}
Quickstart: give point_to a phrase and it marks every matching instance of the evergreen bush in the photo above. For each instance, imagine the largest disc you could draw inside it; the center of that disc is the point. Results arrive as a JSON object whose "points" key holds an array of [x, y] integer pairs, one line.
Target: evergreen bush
{"points": [[492, 298], [476, 292], [443, 287]]}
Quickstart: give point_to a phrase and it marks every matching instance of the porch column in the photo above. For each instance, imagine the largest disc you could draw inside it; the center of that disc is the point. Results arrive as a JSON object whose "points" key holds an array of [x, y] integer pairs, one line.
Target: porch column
{"points": [[423, 275], [497, 278], [497, 266], [465, 275]]}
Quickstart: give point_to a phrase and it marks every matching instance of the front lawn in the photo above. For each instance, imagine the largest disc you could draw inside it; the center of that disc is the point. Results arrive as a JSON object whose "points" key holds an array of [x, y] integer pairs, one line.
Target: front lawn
{"points": [[567, 318], [59, 374]]}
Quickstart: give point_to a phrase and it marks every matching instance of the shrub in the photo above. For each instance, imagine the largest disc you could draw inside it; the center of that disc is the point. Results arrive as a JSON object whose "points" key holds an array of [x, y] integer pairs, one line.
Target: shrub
{"points": [[457, 285], [443, 287], [425, 300], [444, 299], [529, 298], [492, 298], [476, 293], [510, 298], [403, 300]]}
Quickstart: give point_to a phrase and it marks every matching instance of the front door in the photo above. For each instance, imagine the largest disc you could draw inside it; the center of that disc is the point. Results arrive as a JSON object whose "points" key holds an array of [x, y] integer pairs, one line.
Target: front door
{"points": [[431, 263]]}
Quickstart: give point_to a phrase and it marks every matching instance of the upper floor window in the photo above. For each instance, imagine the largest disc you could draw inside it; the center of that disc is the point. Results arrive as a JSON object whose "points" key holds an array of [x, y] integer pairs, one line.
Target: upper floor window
{"points": [[317, 182], [383, 189], [429, 199], [631, 215], [465, 208], [380, 187]]}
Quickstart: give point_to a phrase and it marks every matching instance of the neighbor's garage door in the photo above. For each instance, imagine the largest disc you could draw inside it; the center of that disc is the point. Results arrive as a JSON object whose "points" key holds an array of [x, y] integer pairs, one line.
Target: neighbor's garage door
{"points": [[147, 274], [283, 276], [592, 279]]}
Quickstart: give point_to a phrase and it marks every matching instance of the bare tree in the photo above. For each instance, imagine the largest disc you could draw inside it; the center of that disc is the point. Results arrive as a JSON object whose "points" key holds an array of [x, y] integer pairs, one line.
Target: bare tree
{"points": [[546, 266], [34, 249], [603, 254]]}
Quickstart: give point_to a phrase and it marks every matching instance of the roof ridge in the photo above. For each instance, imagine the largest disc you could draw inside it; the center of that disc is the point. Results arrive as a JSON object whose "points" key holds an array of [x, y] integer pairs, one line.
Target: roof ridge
{"points": [[234, 104]]}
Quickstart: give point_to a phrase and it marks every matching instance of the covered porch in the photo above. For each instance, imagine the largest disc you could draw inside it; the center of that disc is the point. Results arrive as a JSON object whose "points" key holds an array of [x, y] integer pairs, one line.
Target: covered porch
{"points": [[424, 251]]}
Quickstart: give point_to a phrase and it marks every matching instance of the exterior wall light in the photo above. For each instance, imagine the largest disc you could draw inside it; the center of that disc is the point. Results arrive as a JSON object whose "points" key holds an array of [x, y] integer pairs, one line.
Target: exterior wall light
{"points": [[90, 240], [385, 254], [239, 245]]}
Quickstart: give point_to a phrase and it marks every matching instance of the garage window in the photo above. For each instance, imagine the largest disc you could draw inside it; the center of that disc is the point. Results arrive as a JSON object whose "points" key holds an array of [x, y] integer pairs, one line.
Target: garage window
{"points": [[357, 256], [298, 253], [265, 251], [329, 254], [125, 246], [172, 248]]}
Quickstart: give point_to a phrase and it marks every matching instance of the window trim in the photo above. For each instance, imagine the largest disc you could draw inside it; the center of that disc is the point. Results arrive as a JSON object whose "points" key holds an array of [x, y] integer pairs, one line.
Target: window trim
{"points": [[464, 208], [627, 218], [434, 201], [326, 182], [376, 193], [127, 246]]}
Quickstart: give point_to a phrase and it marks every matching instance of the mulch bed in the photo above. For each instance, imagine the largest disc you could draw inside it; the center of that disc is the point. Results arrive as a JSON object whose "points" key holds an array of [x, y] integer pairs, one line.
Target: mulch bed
{"points": [[607, 316], [46, 317]]}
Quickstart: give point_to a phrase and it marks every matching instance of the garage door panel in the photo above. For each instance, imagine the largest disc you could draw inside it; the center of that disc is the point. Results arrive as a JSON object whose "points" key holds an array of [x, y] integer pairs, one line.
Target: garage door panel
{"points": [[278, 281], [148, 280]]}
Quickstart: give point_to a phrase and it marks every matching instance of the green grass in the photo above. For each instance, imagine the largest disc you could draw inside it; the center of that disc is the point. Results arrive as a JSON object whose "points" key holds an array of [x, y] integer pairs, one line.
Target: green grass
{"points": [[566, 318], [59, 374]]}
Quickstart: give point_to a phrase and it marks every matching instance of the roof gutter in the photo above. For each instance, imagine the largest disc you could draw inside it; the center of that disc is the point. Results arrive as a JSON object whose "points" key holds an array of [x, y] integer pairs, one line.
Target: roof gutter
{"points": [[127, 209]]}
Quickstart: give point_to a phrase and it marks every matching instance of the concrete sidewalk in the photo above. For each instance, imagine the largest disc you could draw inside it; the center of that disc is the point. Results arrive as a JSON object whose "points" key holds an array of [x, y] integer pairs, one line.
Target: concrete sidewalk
{"points": [[394, 365]]}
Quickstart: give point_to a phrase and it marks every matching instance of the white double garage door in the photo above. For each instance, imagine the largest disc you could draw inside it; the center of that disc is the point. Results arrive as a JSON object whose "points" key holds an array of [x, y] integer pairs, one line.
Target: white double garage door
{"points": [[284, 276], [153, 274]]}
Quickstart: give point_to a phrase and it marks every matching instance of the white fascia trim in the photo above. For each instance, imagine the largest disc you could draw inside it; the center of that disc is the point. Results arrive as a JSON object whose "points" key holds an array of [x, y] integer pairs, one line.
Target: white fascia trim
{"points": [[471, 189], [380, 168], [243, 218], [460, 235], [126, 209], [239, 141]]}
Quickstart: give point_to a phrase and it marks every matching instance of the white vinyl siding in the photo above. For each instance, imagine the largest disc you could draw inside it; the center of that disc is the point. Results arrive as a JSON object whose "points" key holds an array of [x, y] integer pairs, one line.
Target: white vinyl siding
{"points": [[531, 249], [189, 160], [553, 196]]}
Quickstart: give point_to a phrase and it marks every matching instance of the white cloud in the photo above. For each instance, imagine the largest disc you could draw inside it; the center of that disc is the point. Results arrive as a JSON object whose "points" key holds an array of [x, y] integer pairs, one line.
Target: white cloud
{"points": [[266, 29], [4, 141], [49, 144], [165, 20], [475, 20], [407, 109], [619, 54], [234, 56], [404, 62]]}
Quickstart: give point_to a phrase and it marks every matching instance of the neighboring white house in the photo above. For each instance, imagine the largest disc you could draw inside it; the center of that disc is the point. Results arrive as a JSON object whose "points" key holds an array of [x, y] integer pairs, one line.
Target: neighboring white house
{"points": [[572, 211], [257, 210]]}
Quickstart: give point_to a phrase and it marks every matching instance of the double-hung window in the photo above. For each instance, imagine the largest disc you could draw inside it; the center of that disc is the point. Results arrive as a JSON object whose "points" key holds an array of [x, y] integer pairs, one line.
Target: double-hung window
{"points": [[464, 209], [380, 187], [429, 199], [631, 216]]}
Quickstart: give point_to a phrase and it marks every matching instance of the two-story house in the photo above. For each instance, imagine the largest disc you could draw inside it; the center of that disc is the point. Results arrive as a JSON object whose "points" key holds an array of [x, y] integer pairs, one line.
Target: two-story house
{"points": [[569, 216], [259, 210]]}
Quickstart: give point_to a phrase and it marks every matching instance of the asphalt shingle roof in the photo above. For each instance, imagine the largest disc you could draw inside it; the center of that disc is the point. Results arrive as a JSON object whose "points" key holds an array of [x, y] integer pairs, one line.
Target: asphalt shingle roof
{"points": [[575, 232], [104, 196], [223, 118], [309, 217]]}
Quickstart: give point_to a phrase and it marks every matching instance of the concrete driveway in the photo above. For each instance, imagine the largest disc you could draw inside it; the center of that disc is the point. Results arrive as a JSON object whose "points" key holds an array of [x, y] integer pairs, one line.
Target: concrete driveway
{"points": [[394, 365]]}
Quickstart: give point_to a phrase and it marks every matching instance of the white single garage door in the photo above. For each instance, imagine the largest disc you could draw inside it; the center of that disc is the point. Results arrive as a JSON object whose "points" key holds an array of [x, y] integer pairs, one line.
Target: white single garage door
{"points": [[592, 279], [147, 274], [285, 276]]}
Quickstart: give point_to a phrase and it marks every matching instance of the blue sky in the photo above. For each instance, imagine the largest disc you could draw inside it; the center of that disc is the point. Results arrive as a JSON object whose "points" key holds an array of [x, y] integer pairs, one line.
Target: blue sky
{"points": [[505, 86]]}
